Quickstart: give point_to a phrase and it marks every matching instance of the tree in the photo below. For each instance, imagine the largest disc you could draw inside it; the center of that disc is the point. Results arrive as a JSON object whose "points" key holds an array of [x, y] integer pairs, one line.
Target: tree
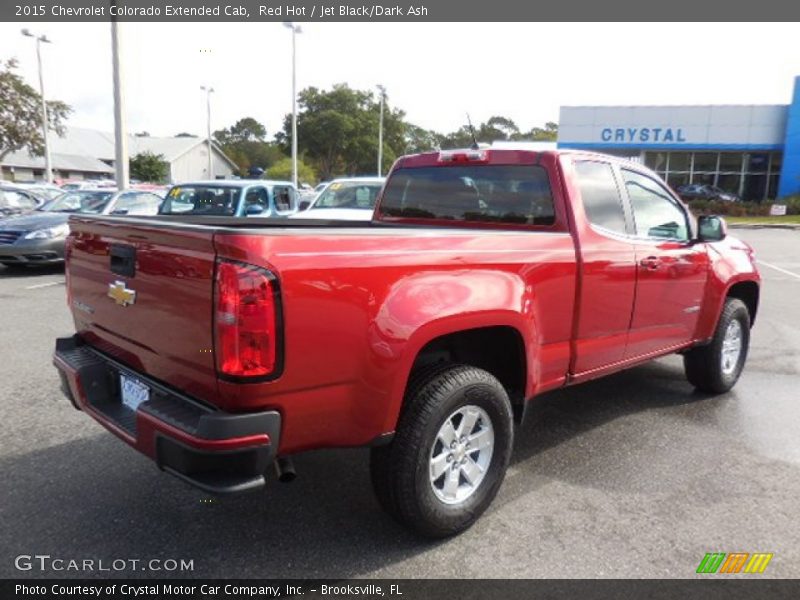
{"points": [[548, 133], [245, 144], [421, 140], [21, 116], [147, 166], [244, 130], [498, 128], [337, 131], [183, 134], [283, 170]]}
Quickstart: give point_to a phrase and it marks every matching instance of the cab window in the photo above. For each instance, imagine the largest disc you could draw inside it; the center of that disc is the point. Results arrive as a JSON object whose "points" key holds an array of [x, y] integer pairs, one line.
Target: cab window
{"points": [[655, 212], [600, 195]]}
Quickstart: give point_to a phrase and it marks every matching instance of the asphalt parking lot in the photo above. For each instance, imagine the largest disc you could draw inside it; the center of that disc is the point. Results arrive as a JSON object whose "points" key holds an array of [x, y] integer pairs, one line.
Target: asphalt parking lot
{"points": [[632, 476]]}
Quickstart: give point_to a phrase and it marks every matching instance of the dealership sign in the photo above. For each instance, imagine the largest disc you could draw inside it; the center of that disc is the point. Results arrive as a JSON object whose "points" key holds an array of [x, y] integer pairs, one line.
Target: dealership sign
{"points": [[631, 135]]}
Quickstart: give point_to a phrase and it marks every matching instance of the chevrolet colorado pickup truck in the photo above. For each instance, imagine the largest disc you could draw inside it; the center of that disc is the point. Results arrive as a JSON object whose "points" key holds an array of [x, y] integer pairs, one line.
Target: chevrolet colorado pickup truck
{"points": [[219, 346]]}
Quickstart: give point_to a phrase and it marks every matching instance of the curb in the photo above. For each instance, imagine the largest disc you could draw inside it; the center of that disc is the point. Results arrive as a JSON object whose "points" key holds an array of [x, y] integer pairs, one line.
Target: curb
{"points": [[790, 226]]}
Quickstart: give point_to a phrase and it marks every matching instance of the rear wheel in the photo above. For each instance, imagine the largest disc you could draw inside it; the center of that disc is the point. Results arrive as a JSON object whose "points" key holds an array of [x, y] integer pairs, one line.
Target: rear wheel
{"points": [[449, 454], [716, 368]]}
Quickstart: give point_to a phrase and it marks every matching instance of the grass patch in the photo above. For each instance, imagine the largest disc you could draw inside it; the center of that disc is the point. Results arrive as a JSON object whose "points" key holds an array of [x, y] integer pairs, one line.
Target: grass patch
{"points": [[788, 219]]}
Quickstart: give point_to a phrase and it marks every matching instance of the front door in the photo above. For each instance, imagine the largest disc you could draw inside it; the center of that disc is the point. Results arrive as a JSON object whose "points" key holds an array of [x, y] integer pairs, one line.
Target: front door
{"points": [[671, 271]]}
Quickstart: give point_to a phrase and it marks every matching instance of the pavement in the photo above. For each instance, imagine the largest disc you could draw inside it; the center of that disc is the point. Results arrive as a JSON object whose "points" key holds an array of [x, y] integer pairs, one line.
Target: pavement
{"points": [[632, 476]]}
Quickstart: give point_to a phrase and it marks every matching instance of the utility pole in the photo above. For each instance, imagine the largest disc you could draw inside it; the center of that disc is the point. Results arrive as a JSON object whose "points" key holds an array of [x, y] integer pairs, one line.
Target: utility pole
{"points": [[382, 91], [295, 30], [209, 90], [120, 134], [48, 167]]}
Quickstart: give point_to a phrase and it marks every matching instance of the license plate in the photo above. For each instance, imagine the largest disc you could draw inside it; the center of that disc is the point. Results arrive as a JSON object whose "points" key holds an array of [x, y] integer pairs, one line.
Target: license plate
{"points": [[133, 392]]}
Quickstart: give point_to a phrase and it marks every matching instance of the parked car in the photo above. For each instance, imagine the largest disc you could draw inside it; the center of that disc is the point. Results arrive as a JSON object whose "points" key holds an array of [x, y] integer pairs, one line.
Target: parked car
{"points": [[487, 278], [43, 191], [697, 191], [38, 237], [349, 199], [15, 200], [232, 198]]}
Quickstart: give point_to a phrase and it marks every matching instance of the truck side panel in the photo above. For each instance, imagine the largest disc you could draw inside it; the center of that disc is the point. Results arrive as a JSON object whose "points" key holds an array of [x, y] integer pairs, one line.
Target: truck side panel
{"points": [[359, 307]]}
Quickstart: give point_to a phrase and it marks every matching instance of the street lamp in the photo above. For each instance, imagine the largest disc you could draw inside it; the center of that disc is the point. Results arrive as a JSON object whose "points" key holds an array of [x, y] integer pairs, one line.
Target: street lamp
{"points": [[208, 91], [48, 170], [382, 90], [295, 30]]}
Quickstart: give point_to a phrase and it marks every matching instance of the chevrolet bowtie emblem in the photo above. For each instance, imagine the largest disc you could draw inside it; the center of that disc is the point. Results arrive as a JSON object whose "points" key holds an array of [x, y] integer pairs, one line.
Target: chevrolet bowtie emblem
{"points": [[121, 294]]}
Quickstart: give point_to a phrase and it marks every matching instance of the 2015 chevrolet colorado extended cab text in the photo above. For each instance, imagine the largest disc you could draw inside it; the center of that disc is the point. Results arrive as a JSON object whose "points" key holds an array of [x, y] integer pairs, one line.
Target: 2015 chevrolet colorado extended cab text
{"points": [[218, 346]]}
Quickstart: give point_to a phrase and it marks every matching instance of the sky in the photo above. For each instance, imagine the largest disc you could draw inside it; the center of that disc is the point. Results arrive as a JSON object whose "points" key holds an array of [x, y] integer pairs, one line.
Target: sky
{"points": [[436, 72]]}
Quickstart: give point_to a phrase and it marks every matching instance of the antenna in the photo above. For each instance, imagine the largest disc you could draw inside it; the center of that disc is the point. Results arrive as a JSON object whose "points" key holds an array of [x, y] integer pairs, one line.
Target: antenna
{"points": [[475, 145]]}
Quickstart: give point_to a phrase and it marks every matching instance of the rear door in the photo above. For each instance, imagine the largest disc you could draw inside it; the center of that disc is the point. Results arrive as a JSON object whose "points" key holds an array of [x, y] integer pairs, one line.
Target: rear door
{"points": [[671, 271], [608, 263], [143, 294]]}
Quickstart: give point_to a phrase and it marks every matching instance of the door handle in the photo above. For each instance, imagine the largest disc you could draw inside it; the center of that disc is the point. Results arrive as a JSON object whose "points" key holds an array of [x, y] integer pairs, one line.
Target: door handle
{"points": [[650, 263]]}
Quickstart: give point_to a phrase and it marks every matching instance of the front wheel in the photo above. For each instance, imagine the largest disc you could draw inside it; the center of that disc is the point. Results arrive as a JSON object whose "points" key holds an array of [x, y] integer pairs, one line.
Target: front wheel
{"points": [[449, 454], [716, 368]]}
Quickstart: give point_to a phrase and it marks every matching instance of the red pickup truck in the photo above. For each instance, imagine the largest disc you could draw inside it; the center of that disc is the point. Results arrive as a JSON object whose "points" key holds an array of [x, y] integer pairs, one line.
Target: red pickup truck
{"points": [[221, 346]]}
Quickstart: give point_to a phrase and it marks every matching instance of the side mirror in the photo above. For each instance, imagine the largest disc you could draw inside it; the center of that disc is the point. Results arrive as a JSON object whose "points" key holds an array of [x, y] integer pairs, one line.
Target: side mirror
{"points": [[304, 204], [254, 209], [711, 228]]}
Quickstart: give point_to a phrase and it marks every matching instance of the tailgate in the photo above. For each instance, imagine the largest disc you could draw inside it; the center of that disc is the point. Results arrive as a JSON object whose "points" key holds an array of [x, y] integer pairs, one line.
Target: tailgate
{"points": [[142, 292]]}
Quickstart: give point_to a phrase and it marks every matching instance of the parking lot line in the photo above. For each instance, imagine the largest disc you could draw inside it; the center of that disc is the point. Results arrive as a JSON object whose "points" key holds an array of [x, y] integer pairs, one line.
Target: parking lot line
{"points": [[784, 271], [44, 285]]}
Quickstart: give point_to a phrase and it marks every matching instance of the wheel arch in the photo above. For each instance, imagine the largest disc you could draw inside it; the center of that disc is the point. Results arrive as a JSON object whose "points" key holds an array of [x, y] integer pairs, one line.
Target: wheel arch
{"points": [[500, 348]]}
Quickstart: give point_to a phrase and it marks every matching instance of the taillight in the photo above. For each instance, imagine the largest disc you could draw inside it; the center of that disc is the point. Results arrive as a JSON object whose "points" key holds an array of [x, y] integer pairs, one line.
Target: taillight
{"points": [[246, 321]]}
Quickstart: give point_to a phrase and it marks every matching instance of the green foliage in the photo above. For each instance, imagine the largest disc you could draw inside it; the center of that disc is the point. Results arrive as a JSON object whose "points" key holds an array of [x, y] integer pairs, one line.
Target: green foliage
{"points": [[149, 167], [20, 114], [283, 170], [792, 204], [245, 144], [729, 209], [498, 128], [244, 130], [337, 131]]}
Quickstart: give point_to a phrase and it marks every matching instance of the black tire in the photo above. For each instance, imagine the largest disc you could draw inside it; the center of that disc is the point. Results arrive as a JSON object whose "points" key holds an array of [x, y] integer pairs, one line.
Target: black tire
{"points": [[400, 470], [703, 365]]}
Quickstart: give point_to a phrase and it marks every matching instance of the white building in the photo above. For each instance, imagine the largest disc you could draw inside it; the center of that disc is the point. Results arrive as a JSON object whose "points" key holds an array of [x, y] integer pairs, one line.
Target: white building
{"points": [[89, 154]]}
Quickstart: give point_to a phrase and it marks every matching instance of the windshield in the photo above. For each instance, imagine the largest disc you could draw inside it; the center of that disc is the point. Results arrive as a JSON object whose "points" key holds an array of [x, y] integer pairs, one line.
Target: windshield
{"points": [[349, 194], [494, 193], [90, 203], [201, 200]]}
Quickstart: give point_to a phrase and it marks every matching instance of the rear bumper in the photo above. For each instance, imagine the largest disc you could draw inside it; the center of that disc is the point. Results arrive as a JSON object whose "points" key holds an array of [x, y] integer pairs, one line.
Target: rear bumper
{"points": [[215, 451]]}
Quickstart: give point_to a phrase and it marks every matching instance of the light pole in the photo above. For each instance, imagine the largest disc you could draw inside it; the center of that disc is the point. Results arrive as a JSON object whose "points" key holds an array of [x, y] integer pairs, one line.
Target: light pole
{"points": [[208, 91], [48, 170], [121, 166], [382, 90], [295, 30]]}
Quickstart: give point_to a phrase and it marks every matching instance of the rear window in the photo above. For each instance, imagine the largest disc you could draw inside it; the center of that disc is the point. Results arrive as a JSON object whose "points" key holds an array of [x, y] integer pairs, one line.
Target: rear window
{"points": [[488, 193], [201, 200]]}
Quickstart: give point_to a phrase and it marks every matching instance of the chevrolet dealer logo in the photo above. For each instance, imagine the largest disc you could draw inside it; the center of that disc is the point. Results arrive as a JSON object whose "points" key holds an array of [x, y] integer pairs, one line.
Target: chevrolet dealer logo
{"points": [[121, 294]]}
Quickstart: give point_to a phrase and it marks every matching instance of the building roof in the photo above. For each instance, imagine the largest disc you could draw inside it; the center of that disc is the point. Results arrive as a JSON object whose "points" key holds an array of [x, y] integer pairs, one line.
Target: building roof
{"points": [[97, 146], [62, 162]]}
